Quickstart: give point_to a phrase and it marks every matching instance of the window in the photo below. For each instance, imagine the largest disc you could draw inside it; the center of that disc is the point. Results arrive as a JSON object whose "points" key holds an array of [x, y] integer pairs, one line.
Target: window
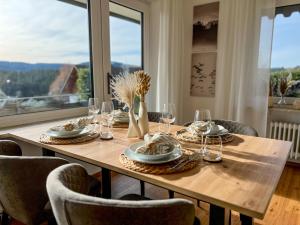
{"points": [[285, 51], [44, 57], [125, 39]]}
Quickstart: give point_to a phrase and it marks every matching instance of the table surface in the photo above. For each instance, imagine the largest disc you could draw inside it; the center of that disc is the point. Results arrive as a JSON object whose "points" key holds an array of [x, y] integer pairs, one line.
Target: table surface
{"points": [[244, 181]]}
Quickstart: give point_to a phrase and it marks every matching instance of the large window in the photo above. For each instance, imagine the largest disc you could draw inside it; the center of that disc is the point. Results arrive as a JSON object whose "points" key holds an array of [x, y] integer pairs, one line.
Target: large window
{"points": [[286, 50], [44, 57], [125, 39]]}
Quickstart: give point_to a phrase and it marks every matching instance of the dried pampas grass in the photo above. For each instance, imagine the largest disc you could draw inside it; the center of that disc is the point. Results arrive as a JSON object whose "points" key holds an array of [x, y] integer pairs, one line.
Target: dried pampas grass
{"points": [[124, 87]]}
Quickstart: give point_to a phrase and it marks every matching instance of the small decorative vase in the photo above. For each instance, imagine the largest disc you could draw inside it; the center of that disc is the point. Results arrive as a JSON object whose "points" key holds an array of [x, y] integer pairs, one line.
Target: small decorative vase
{"points": [[143, 118], [282, 100], [133, 128]]}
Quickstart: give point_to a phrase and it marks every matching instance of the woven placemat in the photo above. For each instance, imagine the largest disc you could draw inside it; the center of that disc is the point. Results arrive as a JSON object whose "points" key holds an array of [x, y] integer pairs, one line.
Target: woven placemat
{"points": [[67, 141], [166, 168], [184, 135]]}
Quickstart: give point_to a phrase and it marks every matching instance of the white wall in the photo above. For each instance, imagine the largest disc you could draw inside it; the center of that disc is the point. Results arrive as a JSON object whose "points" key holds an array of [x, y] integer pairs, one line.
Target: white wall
{"points": [[191, 103]]}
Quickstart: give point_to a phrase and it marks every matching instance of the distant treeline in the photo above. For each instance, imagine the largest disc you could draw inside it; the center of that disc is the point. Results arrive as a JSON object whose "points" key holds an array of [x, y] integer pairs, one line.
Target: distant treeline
{"points": [[27, 83]]}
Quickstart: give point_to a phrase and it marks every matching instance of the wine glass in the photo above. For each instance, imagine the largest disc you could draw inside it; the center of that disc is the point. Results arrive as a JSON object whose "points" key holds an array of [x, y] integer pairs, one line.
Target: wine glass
{"points": [[214, 148], [94, 108], [202, 120], [168, 116], [106, 120]]}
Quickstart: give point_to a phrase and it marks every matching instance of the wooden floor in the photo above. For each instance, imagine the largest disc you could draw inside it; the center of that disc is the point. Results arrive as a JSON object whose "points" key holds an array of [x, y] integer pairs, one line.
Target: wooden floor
{"points": [[284, 208]]}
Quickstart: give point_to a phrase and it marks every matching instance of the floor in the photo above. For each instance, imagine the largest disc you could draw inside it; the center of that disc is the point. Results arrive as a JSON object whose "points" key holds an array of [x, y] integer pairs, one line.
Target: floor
{"points": [[284, 208]]}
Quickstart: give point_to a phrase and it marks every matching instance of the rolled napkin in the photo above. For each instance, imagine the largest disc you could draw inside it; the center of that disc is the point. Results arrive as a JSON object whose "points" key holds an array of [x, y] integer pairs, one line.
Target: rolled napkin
{"points": [[159, 143], [199, 128]]}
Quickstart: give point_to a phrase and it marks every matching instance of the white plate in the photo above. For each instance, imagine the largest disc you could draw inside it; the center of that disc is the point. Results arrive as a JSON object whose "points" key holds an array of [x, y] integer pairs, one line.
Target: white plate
{"points": [[176, 154], [56, 134], [134, 147]]}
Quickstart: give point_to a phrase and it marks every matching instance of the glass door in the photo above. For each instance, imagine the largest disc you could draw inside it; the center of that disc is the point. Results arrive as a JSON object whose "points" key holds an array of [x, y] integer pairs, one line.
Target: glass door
{"points": [[126, 38]]}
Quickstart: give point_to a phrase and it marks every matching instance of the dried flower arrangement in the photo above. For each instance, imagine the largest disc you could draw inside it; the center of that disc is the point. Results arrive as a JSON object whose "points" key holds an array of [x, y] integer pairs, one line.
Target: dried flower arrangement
{"points": [[143, 87], [125, 88]]}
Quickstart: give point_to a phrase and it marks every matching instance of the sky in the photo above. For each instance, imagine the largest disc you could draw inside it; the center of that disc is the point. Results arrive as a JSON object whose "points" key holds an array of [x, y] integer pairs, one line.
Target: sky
{"points": [[286, 41], [51, 31]]}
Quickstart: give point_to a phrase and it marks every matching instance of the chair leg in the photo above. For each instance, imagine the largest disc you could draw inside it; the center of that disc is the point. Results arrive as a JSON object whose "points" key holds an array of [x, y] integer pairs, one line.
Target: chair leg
{"points": [[52, 221], [171, 194], [5, 219]]}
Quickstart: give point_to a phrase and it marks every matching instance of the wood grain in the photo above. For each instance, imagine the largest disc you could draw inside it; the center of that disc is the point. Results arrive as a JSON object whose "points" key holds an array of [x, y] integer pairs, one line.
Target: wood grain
{"points": [[244, 181]]}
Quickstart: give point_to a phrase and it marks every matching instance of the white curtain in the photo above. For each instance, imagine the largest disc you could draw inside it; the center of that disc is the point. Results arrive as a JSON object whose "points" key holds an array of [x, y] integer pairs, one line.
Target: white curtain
{"points": [[244, 57], [170, 55]]}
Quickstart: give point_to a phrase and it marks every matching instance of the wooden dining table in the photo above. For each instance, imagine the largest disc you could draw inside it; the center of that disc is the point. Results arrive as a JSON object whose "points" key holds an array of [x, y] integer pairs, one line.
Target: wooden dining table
{"points": [[244, 181]]}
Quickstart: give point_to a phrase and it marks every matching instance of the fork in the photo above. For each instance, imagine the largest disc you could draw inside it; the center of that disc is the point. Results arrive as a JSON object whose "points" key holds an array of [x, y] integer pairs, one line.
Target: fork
{"points": [[190, 158]]}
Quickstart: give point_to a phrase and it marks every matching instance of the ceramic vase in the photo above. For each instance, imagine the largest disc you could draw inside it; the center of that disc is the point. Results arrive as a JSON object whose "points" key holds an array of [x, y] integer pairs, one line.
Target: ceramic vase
{"points": [[143, 119], [133, 128]]}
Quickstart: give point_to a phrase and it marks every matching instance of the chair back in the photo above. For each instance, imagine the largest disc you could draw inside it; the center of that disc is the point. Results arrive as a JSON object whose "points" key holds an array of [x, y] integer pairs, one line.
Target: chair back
{"points": [[8, 147], [67, 192], [234, 127], [23, 192], [154, 116]]}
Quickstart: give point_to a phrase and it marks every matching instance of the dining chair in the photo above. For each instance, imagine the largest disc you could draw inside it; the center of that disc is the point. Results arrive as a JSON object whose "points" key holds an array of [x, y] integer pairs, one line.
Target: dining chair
{"points": [[67, 190], [154, 116], [23, 194], [234, 127]]}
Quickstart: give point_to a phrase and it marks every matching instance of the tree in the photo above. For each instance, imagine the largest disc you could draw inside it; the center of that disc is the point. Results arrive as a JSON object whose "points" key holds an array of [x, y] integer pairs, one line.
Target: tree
{"points": [[83, 83]]}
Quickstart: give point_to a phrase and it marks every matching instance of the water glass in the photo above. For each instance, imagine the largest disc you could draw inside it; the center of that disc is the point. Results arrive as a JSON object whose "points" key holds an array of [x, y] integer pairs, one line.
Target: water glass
{"points": [[107, 110], [168, 117], [203, 120], [214, 148], [94, 108]]}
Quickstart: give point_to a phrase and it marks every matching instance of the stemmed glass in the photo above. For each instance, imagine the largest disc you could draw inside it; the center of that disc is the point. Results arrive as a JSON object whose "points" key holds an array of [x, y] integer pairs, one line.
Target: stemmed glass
{"points": [[202, 120], [168, 115], [106, 120], [94, 108]]}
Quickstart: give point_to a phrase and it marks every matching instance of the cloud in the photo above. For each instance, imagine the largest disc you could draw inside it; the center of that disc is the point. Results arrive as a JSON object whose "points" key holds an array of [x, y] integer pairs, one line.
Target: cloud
{"points": [[53, 31]]}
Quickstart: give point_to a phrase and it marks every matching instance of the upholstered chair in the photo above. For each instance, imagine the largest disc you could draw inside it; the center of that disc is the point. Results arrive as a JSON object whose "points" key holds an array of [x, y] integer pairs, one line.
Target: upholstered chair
{"points": [[23, 187], [23, 194], [67, 189], [234, 127], [10, 148], [154, 116]]}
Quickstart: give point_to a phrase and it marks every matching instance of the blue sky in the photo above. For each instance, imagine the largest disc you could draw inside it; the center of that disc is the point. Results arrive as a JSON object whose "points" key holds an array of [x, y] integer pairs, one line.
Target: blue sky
{"points": [[286, 41], [55, 32]]}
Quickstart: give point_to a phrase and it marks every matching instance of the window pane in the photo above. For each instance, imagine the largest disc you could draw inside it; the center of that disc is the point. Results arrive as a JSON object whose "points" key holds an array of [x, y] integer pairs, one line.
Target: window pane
{"points": [[125, 39], [44, 57], [285, 51]]}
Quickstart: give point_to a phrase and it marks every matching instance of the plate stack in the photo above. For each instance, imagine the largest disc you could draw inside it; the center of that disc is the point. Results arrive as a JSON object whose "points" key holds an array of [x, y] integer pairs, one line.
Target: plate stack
{"points": [[134, 155], [188, 135], [120, 119], [71, 132]]}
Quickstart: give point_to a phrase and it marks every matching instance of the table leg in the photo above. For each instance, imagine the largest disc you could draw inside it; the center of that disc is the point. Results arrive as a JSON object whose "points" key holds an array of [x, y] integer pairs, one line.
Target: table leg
{"points": [[106, 183], [47, 152], [246, 220], [219, 215], [142, 185], [5, 219], [171, 194]]}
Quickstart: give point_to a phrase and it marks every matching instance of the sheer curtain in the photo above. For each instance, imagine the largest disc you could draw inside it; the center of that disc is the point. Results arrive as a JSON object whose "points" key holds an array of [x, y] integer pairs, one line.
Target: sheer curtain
{"points": [[170, 55], [244, 57]]}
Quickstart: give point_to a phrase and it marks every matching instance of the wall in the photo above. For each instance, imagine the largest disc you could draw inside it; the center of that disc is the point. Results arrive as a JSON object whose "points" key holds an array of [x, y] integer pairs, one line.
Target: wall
{"points": [[191, 103]]}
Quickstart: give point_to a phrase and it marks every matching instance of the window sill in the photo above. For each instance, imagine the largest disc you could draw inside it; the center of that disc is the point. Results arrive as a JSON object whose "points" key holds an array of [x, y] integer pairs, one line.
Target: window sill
{"points": [[22, 119]]}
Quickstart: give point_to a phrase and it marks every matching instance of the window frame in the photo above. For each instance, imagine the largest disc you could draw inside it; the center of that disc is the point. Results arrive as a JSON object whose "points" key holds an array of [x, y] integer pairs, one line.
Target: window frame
{"points": [[282, 3], [98, 13]]}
